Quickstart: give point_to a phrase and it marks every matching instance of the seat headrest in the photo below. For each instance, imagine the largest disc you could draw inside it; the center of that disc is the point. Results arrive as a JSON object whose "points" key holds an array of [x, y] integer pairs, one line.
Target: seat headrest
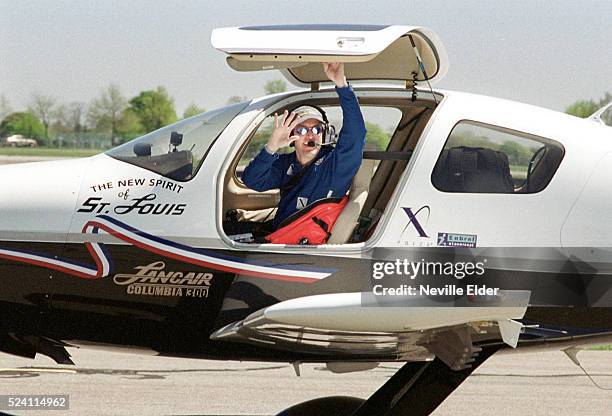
{"points": [[361, 180]]}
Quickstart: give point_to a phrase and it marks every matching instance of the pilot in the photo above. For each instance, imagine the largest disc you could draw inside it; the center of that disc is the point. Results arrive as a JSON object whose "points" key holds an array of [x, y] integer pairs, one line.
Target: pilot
{"points": [[315, 170]]}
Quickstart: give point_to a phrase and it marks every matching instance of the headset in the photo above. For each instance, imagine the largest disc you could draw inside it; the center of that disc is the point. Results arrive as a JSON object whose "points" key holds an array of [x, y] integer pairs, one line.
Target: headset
{"points": [[329, 130]]}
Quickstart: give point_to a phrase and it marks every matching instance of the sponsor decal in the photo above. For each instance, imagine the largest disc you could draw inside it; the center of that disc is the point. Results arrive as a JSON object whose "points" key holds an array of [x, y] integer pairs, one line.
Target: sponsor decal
{"points": [[456, 240], [142, 206], [154, 280], [138, 182], [209, 259], [414, 221], [301, 202]]}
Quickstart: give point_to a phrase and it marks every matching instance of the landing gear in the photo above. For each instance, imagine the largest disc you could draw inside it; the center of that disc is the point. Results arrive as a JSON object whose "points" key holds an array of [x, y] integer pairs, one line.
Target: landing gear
{"points": [[417, 388], [328, 406]]}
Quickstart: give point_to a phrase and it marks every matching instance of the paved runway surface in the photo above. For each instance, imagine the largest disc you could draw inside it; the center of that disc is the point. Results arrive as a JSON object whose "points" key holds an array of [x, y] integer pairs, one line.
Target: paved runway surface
{"points": [[104, 383]]}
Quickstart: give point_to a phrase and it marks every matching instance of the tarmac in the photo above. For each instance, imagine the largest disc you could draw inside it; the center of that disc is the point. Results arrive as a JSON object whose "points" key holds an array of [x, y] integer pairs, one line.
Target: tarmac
{"points": [[105, 383]]}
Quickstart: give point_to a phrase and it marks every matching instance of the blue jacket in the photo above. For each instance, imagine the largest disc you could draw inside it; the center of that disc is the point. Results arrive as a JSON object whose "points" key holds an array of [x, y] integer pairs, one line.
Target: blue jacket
{"points": [[332, 172]]}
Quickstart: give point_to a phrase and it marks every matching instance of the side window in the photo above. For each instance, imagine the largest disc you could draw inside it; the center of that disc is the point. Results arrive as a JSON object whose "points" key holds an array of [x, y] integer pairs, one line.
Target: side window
{"points": [[479, 158], [381, 122]]}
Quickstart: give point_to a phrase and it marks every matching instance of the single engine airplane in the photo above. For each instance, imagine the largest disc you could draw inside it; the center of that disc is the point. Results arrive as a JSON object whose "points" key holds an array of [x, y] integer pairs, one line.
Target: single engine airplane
{"points": [[480, 224]]}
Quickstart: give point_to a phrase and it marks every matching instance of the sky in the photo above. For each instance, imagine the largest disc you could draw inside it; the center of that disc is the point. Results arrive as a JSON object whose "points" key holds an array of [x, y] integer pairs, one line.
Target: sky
{"points": [[547, 53]]}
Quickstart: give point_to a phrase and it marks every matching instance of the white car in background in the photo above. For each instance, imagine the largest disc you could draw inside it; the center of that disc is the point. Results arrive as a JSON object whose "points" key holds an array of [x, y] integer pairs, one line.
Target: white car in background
{"points": [[18, 140]]}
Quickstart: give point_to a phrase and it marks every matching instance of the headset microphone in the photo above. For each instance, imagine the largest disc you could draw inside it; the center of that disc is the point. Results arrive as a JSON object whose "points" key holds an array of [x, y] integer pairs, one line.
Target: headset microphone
{"points": [[312, 143]]}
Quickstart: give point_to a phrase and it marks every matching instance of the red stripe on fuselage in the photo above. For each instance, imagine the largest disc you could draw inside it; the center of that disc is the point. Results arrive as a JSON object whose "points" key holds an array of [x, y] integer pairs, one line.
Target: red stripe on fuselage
{"points": [[153, 249], [48, 266], [203, 263]]}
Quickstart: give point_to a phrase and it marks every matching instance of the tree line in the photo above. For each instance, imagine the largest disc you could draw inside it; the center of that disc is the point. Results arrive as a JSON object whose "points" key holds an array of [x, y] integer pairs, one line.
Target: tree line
{"points": [[107, 120], [110, 119], [584, 108]]}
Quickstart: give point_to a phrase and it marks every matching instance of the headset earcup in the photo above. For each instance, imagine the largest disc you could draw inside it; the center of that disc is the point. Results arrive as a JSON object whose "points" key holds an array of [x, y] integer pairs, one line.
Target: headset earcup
{"points": [[330, 134], [325, 133]]}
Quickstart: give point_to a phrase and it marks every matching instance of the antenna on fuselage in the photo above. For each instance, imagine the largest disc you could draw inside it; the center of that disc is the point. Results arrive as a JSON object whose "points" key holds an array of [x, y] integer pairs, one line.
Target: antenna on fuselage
{"points": [[422, 67]]}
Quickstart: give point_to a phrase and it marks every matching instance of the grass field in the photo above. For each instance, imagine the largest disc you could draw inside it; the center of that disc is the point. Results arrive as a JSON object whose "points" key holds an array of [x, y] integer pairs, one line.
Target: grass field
{"points": [[601, 348], [47, 151]]}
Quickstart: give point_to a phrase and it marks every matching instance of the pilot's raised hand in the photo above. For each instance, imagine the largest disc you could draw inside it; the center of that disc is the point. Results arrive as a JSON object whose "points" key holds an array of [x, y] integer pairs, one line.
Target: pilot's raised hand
{"points": [[283, 126], [335, 73]]}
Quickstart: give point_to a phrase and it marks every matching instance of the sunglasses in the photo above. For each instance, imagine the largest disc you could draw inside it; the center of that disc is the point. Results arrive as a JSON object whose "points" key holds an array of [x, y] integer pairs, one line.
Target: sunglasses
{"points": [[302, 131]]}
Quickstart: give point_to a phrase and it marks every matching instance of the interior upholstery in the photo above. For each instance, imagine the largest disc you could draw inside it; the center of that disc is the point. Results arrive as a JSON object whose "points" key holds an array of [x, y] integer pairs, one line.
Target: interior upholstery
{"points": [[358, 193], [389, 172]]}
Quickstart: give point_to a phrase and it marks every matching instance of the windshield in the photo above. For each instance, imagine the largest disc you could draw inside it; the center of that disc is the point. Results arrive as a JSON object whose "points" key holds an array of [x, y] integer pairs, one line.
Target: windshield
{"points": [[177, 151]]}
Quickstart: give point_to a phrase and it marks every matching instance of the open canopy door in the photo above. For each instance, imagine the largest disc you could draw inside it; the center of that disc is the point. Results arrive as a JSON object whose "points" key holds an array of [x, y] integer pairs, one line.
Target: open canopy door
{"points": [[369, 52]]}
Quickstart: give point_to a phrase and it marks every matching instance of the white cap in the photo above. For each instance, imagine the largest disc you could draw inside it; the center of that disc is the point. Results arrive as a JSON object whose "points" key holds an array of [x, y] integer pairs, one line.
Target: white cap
{"points": [[307, 112]]}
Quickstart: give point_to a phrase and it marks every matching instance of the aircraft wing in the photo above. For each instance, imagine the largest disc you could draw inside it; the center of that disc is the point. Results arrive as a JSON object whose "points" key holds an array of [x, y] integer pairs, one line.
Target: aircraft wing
{"points": [[363, 327]]}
